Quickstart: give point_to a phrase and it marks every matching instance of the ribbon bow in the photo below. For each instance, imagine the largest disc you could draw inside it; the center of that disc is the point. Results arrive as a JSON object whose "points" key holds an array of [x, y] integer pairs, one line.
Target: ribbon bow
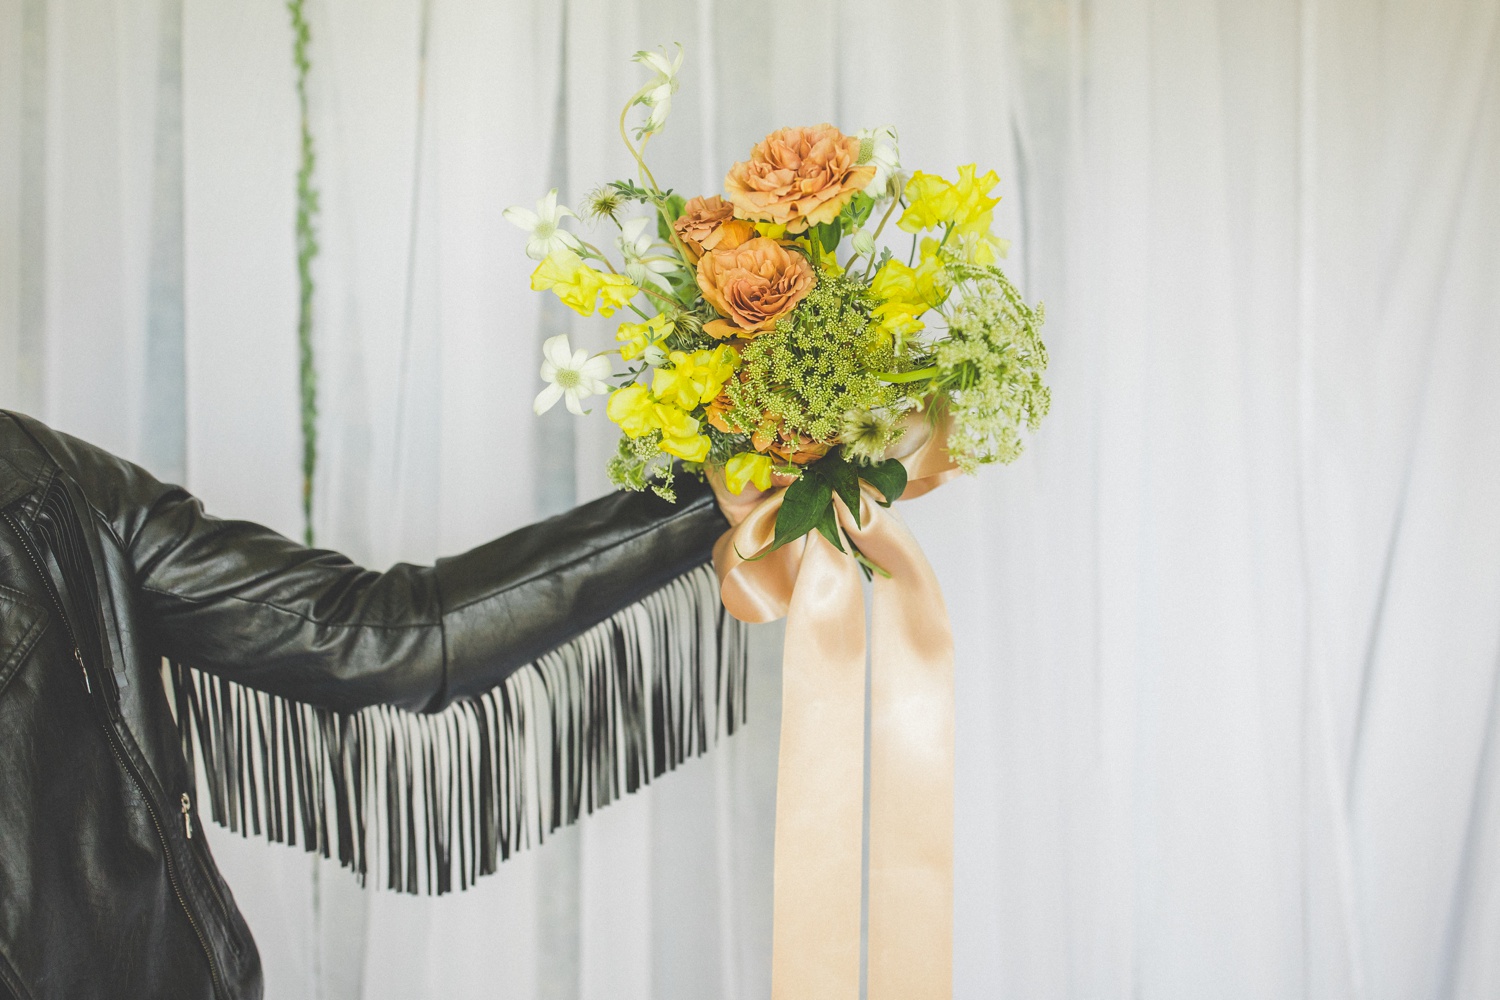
{"points": [[820, 780]]}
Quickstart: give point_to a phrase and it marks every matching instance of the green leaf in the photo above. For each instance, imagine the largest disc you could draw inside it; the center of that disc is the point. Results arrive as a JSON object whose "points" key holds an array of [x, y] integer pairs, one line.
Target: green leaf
{"points": [[845, 482], [828, 235], [671, 211], [828, 527], [857, 212], [802, 508], [889, 477]]}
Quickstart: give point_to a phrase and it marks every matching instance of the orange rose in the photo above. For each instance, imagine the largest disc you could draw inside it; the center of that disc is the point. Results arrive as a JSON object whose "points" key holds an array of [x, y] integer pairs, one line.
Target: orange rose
{"points": [[709, 224], [798, 177], [752, 285], [715, 412], [798, 448]]}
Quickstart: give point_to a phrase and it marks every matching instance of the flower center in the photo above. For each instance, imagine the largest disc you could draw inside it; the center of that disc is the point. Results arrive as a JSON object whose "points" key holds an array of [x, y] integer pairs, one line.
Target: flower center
{"points": [[545, 229], [568, 378]]}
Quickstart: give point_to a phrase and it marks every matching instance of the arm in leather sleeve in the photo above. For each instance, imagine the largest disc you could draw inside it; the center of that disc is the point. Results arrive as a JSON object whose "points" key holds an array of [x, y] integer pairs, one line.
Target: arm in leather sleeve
{"points": [[240, 600]]}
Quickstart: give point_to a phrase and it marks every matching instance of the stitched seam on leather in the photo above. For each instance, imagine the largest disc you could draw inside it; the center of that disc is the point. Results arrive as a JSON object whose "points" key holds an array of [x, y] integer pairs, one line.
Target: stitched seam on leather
{"points": [[288, 611], [586, 557], [22, 647]]}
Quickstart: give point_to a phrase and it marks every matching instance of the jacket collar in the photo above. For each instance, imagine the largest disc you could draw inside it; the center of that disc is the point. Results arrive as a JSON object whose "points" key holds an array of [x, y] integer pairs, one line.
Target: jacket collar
{"points": [[25, 470]]}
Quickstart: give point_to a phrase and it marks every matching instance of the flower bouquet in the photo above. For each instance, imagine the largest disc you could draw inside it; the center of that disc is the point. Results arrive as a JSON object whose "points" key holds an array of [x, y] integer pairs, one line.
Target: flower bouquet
{"points": [[778, 343]]}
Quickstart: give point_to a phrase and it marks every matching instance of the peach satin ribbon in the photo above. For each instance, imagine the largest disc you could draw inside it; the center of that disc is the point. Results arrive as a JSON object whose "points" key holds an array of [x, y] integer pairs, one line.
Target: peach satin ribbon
{"points": [[820, 784]]}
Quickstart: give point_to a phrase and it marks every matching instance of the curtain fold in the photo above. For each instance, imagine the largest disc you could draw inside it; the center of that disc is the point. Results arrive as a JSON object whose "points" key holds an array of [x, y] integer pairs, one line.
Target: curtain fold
{"points": [[1227, 635]]}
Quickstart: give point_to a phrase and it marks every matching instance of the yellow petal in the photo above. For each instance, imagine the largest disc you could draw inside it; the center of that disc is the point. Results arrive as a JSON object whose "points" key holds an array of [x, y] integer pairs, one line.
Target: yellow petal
{"points": [[633, 409], [747, 467], [689, 449]]}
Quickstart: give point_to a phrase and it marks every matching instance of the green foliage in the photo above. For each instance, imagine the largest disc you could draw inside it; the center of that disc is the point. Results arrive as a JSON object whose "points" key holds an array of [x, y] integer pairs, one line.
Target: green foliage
{"points": [[990, 366], [820, 363], [669, 211], [808, 503], [889, 477], [640, 464], [307, 249]]}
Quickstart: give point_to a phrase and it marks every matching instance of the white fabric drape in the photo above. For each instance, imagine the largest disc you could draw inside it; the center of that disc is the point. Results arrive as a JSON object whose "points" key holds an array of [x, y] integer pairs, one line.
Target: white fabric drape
{"points": [[1228, 635]]}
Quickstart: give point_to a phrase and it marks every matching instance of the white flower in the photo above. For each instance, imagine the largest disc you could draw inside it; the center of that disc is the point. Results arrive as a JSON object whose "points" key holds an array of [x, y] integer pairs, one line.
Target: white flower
{"points": [[878, 146], [657, 94], [571, 375], [635, 245], [863, 242], [544, 225]]}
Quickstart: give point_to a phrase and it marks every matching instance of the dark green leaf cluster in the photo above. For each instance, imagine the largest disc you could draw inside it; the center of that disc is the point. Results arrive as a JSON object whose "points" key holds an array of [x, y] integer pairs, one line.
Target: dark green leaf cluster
{"points": [[808, 504], [820, 363]]}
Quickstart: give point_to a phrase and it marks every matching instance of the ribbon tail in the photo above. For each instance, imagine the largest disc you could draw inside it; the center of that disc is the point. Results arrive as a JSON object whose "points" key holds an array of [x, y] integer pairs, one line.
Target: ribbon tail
{"points": [[911, 775], [820, 783]]}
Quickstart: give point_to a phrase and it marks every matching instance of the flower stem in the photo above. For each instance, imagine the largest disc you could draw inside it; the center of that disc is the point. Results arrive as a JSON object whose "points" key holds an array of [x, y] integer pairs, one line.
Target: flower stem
{"points": [[915, 375]]}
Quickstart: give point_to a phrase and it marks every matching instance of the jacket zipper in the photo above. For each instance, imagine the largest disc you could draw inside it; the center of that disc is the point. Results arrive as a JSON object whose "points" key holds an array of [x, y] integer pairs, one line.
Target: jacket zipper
{"points": [[113, 739]]}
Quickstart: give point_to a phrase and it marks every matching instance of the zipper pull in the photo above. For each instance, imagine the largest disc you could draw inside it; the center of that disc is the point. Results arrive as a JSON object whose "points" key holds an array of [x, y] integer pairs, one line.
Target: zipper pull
{"points": [[78, 658], [187, 815]]}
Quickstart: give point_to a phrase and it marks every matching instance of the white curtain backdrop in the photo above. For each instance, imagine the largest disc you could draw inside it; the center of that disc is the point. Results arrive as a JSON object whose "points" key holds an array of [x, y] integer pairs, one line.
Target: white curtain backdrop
{"points": [[1228, 634]]}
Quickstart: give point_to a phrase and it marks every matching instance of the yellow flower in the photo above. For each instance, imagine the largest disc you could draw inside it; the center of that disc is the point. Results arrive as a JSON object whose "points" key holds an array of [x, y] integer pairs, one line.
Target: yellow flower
{"points": [[579, 286], [976, 209], [690, 448], [770, 230], [615, 291], [933, 202], [679, 432], [930, 202], [747, 467], [694, 378], [981, 249], [638, 413], [673, 421], [636, 338], [903, 293], [632, 408]]}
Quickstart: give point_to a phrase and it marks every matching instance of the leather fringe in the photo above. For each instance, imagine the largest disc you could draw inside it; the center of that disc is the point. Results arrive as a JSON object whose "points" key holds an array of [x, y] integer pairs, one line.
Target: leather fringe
{"points": [[429, 803]]}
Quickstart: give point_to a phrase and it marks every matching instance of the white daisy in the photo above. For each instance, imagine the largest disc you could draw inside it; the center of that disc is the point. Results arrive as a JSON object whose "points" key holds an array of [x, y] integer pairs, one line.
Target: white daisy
{"points": [[570, 375], [635, 245], [545, 227]]}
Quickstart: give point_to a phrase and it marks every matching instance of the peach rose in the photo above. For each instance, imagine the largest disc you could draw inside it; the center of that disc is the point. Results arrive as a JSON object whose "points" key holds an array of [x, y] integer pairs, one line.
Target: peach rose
{"points": [[798, 448], [798, 177], [752, 285], [709, 224]]}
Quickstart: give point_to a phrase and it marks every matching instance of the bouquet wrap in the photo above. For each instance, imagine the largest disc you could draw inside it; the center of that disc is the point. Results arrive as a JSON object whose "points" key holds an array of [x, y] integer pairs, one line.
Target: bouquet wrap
{"points": [[820, 778]]}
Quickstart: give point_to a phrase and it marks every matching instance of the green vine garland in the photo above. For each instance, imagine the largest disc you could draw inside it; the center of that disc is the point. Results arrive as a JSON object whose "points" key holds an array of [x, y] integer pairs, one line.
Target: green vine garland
{"points": [[307, 249]]}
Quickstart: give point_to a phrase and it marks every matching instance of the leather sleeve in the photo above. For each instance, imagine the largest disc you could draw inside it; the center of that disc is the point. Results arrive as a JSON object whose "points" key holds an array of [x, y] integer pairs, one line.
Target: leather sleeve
{"points": [[237, 599]]}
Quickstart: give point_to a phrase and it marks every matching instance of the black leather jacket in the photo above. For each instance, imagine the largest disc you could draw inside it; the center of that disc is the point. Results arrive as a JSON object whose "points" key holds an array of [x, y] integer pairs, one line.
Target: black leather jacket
{"points": [[107, 888]]}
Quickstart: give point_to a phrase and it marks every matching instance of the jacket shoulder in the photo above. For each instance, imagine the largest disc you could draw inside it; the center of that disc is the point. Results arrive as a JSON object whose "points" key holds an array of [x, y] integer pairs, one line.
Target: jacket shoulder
{"points": [[25, 465]]}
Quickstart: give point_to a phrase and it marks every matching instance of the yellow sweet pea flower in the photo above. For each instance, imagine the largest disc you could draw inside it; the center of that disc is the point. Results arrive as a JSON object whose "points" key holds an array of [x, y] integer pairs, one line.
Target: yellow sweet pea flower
{"points": [[615, 291], [976, 209], [694, 378], [931, 202], [693, 448], [981, 248], [633, 409], [636, 338], [903, 293], [579, 286], [747, 467]]}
